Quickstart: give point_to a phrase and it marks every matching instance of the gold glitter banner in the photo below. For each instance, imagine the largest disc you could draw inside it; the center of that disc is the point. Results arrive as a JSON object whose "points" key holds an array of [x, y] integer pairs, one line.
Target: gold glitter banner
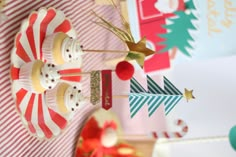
{"points": [[95, 87]]}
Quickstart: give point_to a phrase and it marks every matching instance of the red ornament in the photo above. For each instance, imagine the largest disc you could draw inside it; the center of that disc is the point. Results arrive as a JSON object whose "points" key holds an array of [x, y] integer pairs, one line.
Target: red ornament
{"points": [[124, 70]]}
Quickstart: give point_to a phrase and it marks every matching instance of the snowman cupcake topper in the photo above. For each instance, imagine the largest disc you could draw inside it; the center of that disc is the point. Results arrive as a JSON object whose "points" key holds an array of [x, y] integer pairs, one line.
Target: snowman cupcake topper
{"points": [[65, 98], [73, 98], [71, 50], [60, 48], [49, 76]]}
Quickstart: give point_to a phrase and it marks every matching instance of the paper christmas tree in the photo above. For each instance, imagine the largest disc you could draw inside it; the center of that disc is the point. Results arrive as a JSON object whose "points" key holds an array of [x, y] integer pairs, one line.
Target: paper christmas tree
{"points": [[179, 35], [154, 97]]}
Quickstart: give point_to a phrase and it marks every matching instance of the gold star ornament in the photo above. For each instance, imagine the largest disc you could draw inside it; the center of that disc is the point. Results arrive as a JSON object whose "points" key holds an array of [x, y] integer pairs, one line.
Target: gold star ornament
{"points": [[138, 51], [188, 94], [140, 47]]}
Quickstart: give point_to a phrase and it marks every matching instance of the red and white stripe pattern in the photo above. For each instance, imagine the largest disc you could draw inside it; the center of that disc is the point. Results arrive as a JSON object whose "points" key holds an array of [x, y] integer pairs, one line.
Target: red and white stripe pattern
{"points": [[15, 140], [170, 135]]}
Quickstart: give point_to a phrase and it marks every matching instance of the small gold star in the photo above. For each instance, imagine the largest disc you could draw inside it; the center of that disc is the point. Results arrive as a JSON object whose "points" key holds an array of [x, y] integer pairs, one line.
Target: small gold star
{"points": [[188, 94]]}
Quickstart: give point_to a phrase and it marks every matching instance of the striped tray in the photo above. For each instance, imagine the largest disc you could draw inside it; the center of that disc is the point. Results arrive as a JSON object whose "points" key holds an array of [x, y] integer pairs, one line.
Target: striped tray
{"points": [[40, 120]]}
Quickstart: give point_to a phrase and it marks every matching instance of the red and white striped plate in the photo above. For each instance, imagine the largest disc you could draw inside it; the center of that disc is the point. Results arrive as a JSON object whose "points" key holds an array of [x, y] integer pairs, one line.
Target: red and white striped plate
{"points": [[40, 120]]}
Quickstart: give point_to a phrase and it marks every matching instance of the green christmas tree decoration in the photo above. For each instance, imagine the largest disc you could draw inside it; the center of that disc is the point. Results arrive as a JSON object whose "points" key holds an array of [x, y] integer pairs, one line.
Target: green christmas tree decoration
{"points": [[153, 97], [178, 34]]}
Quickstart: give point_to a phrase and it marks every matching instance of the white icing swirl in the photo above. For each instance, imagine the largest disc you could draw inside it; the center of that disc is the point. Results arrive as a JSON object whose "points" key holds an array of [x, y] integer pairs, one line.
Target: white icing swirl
{"points": [[71, 50], [73, 98], [49, 76]]}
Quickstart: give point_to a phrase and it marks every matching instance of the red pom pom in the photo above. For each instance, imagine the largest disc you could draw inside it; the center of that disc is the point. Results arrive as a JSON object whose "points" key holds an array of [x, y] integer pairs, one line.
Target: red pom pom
{"points": [[124, 70]]}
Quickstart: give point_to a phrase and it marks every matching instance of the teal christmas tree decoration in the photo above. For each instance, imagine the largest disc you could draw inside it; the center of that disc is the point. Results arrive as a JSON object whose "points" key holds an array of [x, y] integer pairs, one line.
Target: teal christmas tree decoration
{"points": [[153, 97], [170, 94], [178, 35]]}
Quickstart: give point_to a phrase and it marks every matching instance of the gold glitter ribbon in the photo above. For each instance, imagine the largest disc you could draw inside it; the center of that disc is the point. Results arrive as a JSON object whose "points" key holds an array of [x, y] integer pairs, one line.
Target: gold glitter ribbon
{"points": [[95, 87]]}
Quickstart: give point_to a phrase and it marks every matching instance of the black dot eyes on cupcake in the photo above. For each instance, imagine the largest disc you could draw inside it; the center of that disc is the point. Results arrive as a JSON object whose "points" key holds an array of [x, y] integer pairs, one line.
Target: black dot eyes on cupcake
{"points": [[72, 109], [70, 56], [71, 96], [46, 75], [67, 50], [81, 46], [77, 104], [71, 38], [53, 65], [52, 80], [79, 91], [49, 87], [49, 65]]}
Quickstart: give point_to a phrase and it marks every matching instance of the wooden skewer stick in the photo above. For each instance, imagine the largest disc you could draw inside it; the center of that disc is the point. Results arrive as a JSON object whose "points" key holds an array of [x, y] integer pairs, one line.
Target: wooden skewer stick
{"points": [[175, 141], [115, 96], [76, 74], [196, 140], [107, 51], [79, 74]]}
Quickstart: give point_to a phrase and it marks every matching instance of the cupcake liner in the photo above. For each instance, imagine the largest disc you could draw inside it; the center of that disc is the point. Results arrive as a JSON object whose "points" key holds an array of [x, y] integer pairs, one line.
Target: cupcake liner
{"points": [[47, 48], [51, 99], [25, 76], [51, 48], [29, 76]]}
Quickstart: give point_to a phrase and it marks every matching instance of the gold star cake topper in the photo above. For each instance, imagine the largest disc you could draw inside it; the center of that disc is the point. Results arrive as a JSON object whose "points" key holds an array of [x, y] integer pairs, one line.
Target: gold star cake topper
{"points": [[137, 51], [188, 94], [140, 47]]}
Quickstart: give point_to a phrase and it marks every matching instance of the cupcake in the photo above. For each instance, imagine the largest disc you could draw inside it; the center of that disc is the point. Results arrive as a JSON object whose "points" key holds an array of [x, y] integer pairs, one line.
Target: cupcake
{"points": [[59, 48], [37, 77], [64, 98]]}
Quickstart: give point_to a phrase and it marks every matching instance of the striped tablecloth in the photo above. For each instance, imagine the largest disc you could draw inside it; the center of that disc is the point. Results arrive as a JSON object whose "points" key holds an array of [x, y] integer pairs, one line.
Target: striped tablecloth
{"points": [[14, 138]]}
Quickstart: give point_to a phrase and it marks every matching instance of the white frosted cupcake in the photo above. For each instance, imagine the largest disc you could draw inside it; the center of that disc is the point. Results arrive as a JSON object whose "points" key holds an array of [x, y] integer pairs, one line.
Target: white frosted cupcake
{"points": [[37, 77], [59, 48], [65, 98]]}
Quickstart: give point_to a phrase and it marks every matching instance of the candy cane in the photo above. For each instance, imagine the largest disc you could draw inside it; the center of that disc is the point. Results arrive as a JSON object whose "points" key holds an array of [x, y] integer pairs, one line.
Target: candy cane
{"points": [[170, 135]]}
